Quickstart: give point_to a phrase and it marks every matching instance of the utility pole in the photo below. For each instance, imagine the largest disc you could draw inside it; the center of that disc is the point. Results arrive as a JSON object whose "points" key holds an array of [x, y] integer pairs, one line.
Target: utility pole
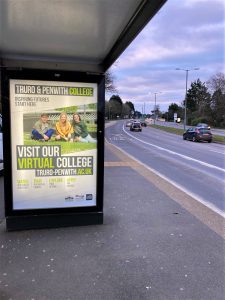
{"points": [[185, 101]]}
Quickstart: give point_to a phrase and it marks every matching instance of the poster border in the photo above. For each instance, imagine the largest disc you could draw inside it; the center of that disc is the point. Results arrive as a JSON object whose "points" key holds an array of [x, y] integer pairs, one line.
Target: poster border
{"points": [[51, 75]]}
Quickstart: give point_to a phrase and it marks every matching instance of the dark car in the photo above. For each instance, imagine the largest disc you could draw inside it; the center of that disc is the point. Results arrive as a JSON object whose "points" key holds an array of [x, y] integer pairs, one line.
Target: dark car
{"points": [[136, 126], [143, 123], [197, 134], [203, 125]]}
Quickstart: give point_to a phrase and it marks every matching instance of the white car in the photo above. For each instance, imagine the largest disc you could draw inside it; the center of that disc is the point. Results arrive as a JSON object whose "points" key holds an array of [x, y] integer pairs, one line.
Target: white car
{"points": [[136, 126], [128, 123]]}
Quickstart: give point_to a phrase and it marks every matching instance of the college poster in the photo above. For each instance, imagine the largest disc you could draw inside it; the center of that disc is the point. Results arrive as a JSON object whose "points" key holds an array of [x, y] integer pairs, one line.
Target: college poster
{"points": [[53, 144]]}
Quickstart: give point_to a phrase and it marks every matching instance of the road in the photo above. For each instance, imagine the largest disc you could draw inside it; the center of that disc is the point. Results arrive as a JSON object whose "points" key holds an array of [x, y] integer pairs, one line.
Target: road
{"points": [[196, 168]]}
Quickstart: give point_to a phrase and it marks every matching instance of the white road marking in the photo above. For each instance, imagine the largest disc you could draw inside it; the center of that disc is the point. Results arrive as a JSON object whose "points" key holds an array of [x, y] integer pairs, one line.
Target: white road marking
{"points": [[217, 151], [177, 154], [180, 187]]}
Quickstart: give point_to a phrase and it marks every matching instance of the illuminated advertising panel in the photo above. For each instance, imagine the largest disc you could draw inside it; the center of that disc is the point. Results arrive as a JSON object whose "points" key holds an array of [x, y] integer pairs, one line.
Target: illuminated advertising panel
{"points": [[53, 144]]}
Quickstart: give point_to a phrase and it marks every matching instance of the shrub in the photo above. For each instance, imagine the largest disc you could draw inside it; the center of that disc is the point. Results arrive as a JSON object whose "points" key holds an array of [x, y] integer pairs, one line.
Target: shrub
{"points": [[195, 121]]}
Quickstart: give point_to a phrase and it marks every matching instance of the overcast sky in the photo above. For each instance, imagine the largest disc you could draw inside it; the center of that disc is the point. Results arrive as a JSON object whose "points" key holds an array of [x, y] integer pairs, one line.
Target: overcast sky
{"points": [[184, 34]]}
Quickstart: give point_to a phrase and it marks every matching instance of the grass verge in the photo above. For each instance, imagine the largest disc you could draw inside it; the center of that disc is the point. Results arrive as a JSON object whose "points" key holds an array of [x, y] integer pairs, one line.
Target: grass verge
{"points": [[66, 147], [216, 138]]}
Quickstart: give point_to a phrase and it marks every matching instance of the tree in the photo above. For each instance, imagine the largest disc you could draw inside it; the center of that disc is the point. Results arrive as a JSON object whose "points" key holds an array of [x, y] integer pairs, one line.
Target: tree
{"points": [[109, 88], [218, 108], [109, 82], [174, 108], [217, 82], [130, 108], [198, 100], [126, 111], [131, 105], [137, 114], [116, 98], [115, 106]]}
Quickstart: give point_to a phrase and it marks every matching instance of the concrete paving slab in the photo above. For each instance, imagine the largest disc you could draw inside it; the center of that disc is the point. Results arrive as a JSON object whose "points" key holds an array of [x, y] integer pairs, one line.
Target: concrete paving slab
{"points": [[149, 247]]}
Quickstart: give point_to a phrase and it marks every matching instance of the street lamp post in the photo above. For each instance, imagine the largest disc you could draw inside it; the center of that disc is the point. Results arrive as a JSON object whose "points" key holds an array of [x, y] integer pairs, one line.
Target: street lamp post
{"points": [[185, 102], [155, 106]]}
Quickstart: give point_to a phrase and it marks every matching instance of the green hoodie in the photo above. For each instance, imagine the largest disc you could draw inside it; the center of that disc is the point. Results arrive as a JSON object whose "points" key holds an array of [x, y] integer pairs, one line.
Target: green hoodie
{"points": [[80, 129]]}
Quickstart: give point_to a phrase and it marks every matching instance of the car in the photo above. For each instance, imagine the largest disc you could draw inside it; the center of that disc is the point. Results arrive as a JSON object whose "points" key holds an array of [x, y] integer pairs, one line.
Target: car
{"points": [[203, 125], [136, 126], [143, 123], [128, 123], [197, 134]]}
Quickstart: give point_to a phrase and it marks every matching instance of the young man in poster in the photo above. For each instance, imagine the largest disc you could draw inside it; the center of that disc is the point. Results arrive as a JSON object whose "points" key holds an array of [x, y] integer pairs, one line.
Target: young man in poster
{"points": [[42, 129]]}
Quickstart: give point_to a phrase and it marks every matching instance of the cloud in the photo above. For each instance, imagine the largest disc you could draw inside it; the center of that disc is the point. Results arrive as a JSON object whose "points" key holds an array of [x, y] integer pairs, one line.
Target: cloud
{"points": [[189, 33], [156, 53], [184, 34]]}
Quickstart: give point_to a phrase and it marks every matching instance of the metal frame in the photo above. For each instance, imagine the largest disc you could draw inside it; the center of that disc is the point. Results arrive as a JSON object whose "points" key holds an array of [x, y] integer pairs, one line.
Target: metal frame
{"points": [[13, 65], [56, 217]]}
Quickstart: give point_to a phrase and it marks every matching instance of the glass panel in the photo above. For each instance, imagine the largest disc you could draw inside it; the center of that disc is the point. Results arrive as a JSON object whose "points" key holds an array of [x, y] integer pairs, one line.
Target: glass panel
{"points": [[54, 146]]}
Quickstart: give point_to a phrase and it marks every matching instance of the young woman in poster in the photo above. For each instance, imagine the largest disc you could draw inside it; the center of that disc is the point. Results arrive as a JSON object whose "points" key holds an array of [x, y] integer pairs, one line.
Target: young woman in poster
{"points": [[80, 132], [63, 128]]}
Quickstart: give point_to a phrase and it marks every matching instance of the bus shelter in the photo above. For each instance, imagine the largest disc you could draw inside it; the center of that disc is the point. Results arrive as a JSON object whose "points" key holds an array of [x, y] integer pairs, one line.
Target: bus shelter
{"points": [[53, 56]]}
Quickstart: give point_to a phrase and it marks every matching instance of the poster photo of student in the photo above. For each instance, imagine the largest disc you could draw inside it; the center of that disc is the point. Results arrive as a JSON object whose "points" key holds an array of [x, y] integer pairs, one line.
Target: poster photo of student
{"points": [[54, 151]]}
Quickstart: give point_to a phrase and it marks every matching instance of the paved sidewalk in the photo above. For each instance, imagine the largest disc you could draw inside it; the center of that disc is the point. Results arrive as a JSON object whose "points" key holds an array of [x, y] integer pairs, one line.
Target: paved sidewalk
{"points": [[149, 247]]}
